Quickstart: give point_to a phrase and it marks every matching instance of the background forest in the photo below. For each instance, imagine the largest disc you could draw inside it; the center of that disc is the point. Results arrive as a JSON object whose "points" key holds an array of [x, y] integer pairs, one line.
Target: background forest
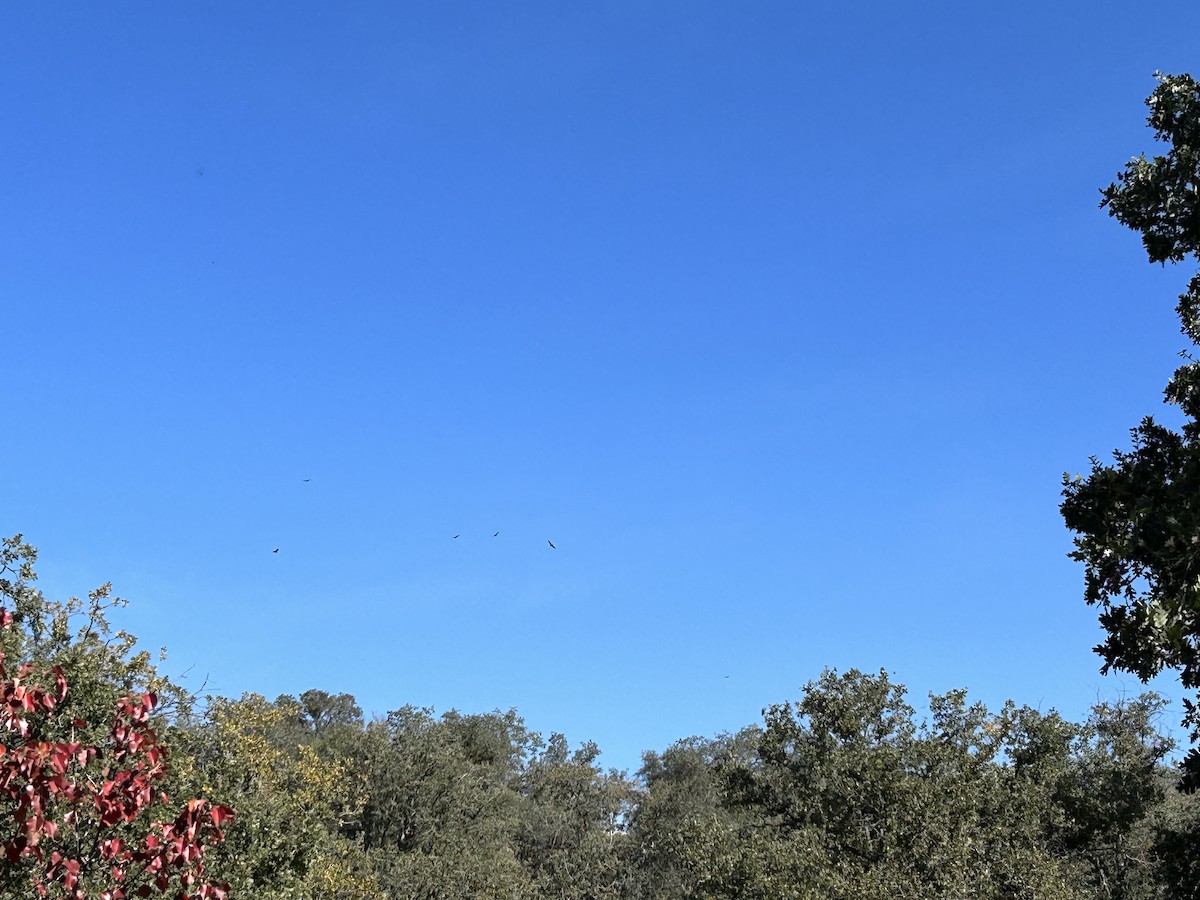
{"points": [[842, 793]]}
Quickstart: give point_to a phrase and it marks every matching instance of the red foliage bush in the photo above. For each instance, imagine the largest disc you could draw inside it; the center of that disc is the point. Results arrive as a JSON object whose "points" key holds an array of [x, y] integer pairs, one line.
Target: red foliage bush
{"points": [[78, 820]]}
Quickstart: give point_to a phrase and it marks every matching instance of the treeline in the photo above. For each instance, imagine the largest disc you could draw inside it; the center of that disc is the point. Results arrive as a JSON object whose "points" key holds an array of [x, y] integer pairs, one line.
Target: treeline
{"points": [[841, 794], [844, 793]]}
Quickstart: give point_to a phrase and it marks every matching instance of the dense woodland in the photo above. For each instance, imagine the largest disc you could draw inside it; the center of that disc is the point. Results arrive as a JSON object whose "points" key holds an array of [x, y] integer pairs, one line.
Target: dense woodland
{"points": [[115, 782], [842, 793]]}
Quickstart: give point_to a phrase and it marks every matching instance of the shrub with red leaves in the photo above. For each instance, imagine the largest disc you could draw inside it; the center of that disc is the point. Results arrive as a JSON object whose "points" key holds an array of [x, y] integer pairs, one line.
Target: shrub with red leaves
{"points": [[83, 820]]}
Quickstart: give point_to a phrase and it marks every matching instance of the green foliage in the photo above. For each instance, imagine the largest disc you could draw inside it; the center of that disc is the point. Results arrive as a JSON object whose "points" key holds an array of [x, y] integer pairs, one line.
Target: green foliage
{"points": [[1136, 521], [841, 794], [102, 664], [1177, 835], [571, 836], [1160, 197], [443, 806], [681, 830], [293, 801]]}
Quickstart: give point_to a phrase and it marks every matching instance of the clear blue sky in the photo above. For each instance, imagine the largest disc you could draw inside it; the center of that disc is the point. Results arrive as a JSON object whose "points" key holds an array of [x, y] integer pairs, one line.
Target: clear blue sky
{"points": [[781, 320]]}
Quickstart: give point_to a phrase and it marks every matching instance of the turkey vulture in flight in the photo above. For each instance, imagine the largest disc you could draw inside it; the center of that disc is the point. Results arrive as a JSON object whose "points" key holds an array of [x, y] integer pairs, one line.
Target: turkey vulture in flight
{"points": [[552, 547]]}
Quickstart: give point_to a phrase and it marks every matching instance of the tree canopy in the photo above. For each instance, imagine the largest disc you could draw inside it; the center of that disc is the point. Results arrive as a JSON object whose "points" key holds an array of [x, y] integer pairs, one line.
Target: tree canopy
{"points": [[844, 792], [1137, 519]]}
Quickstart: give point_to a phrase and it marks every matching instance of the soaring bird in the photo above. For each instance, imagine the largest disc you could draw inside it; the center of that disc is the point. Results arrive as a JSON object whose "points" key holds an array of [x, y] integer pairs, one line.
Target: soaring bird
{"points": [[276, 550], [552, 547], [306, 480], [457, 536], [497, 534]]}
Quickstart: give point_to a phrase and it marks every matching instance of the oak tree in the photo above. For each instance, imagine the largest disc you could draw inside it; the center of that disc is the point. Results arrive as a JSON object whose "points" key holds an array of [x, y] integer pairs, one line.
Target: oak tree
{"points": [[1137, 519]]}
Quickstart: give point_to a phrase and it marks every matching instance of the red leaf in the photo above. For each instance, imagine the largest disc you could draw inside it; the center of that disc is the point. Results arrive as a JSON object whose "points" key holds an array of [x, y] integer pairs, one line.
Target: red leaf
{"points": [[220, 814], [60, 682]]}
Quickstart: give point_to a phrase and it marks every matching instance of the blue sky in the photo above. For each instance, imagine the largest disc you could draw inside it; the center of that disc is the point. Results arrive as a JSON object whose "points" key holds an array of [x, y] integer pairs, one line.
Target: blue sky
{"points": [[781, 320]]}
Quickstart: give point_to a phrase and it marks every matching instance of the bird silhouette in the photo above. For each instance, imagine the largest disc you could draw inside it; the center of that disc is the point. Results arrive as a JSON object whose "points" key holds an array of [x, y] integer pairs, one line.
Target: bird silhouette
{"points": [[306, 480], [457, 536], [552, 547], [276, 550], [497, 534]]}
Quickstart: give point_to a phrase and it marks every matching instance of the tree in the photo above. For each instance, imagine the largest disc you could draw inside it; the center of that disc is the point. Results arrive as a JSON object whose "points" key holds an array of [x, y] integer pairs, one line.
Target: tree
{"points": [[443, 805], [1137, 521], [324, 711], [293, 801], [1090, 793], [848, 797], [1176, 839], [571, 836], [685, 839], [82, 811], [1115, 787]]}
